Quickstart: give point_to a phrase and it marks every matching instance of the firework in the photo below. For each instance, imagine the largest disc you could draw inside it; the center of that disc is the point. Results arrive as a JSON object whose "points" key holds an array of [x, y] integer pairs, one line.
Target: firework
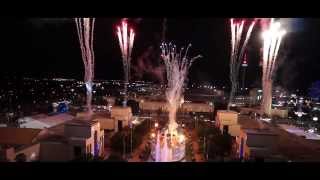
{"points": [[237, 51], [271, 43], [177, 65], [126, 43], [85, 29]]}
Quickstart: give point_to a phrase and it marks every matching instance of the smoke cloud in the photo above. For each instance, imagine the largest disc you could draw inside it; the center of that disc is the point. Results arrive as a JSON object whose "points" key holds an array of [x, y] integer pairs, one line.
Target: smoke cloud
{"points": [[147, 66]]}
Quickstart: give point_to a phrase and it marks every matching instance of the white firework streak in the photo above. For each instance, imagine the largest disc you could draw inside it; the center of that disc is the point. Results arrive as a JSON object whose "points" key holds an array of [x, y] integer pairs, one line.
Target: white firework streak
{"points": [[272, 40], [85, 30], [177, 65], [236, 57]]}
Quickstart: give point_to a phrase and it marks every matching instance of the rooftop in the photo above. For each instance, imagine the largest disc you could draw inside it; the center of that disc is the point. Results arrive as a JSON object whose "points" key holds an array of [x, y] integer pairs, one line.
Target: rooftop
{"points": [[77, 122], [56, 119], [226, 111], [260, 132], [246, 122], [18, 136], [55, 138], [41, 121]]}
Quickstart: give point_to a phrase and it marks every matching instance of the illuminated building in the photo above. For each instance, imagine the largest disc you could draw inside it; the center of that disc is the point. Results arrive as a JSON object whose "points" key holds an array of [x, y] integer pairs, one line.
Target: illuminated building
{"points": [[241, 101], [255, 140], [244, 66], [122, 117], [71, 140], [280, 112], [255, 143], [84, 137], [185, 107], [227, 122], [255, 95]]}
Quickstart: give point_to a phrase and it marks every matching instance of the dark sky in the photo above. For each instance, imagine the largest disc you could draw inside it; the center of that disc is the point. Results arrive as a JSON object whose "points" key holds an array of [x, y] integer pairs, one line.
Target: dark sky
{"points": [[47, 47]]}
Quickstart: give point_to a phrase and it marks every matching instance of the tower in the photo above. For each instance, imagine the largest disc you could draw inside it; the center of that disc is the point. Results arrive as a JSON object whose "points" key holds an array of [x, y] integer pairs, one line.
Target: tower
{"points": [[244, 66]]}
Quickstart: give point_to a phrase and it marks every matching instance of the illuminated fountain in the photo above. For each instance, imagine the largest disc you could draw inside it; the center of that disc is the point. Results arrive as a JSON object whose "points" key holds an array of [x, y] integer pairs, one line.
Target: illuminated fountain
{"points": [[170, 143], [167, 149]]}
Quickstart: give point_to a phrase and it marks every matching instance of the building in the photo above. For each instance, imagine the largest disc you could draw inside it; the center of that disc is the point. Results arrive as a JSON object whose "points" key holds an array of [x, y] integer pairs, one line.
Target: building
{"points": [[145, 105], [255, 96], [152, 106], [71, 140], [106, 122], [122, 117], [280, 112], [242, 101], [227, 122], [197, 107], [84, 137], [19, 141], [253, 139], [256, 139], [111, 102], [255, 143], [115, 119]]}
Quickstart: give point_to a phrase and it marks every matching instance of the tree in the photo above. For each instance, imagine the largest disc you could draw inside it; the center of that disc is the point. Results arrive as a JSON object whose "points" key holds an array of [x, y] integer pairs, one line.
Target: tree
{"points": [[134, 106], [117, 142], [21, 157], [226, 144], [219, 144], [88, 157], [115, 157], [159, 112]]}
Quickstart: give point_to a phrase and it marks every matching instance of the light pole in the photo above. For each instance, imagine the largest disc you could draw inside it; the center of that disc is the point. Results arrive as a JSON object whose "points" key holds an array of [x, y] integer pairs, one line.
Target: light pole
{"points": [[204, 144], [124, 147], [208, 148], [131, 128], [156, 125]]}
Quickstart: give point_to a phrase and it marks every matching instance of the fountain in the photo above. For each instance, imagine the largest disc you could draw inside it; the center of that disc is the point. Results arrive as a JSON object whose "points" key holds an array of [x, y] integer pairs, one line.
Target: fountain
{"points": [[167, 149], [170, 146]]}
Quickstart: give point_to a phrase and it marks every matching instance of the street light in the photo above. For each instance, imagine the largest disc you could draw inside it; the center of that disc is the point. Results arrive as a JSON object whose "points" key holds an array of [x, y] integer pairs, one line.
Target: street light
{"points": [[124, 148], [196, 122], [156, 125], [153, 135], [315, 118]]}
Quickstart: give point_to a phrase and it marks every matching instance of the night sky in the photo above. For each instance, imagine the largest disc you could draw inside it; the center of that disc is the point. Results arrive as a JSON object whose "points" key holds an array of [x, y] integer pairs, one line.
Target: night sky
{"points": [[49, 47]]}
